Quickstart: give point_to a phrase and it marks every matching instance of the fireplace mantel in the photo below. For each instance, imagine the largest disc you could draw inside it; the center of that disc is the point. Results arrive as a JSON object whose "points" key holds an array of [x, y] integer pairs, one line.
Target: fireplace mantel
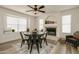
{"points": [[51, 25]]}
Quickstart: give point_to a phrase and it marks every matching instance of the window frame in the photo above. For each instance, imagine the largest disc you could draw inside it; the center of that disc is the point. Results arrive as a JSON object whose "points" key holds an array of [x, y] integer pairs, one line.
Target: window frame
{"points": [[40, 24], [65, 24], [18, 24]]}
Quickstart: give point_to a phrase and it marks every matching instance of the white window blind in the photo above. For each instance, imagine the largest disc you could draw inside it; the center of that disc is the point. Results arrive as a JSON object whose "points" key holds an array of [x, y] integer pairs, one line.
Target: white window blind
{"points": [[41, 23], [66, 24], [16, 23], [28, 23]]}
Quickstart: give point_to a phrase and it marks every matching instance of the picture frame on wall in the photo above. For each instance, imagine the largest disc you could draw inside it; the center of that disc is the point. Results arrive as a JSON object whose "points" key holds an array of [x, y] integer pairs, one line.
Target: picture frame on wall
{"points": [[49, 22]]}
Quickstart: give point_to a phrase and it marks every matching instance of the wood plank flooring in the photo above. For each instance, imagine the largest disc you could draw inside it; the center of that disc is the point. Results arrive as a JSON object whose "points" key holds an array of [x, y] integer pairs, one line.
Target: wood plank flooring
{"points": [[60, 48]]}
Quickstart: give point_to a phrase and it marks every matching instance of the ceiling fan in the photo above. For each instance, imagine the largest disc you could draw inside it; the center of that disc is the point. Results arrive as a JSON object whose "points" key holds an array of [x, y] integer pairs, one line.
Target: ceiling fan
{"points": [[36, 9]]}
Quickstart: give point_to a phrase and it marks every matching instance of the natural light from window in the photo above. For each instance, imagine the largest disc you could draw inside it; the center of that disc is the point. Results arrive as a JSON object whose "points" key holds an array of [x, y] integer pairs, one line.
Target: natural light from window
{"points": [[41, 23], [66, 24], [16, 23]]}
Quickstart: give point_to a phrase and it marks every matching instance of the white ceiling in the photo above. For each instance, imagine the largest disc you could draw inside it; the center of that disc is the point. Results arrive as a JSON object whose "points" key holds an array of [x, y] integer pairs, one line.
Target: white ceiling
{"points": [[48, 8]]}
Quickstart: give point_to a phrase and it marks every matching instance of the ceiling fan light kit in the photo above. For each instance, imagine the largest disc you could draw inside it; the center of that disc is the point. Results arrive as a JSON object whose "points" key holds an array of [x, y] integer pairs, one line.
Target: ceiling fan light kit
{"points": [[36, 9]]}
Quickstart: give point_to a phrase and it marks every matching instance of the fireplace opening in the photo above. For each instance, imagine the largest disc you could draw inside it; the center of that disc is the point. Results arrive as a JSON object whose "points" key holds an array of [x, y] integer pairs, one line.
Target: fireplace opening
{"points": [[51, 31]]}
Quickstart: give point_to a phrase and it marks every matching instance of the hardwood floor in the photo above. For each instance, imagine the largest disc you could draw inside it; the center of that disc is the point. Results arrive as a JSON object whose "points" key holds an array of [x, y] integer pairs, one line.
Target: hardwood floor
{"points": [[59, 48], [65, 49]]}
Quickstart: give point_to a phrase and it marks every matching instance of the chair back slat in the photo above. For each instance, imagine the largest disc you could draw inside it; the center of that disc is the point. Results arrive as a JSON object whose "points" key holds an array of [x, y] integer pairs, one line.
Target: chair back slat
{"points": [[21, 35], [34, 35]]}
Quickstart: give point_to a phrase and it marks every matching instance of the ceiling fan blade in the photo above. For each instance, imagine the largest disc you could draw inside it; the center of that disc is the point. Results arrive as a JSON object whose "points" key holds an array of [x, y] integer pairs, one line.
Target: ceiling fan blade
{"points": [[41, 11], [41, 7], [30, 6], [29, 10]]}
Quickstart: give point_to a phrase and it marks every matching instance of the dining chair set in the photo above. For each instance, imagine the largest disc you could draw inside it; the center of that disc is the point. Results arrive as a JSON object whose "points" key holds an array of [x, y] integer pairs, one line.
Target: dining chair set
{"points": [[32, 39]]}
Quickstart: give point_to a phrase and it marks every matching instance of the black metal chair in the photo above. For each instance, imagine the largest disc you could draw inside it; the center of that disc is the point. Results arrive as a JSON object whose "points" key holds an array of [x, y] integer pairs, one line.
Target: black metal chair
{"points": [[28, 30], [40, 39], [24, 40], [43, 37], [34, 40]]}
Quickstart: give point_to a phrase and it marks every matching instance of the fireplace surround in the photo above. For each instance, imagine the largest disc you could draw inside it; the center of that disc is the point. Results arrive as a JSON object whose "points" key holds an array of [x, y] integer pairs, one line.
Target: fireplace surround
{"points": [[51, 31]]}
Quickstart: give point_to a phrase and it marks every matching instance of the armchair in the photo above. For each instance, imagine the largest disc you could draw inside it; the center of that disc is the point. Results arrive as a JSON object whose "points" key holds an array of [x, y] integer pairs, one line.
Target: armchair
{"points": [[73, 39]]}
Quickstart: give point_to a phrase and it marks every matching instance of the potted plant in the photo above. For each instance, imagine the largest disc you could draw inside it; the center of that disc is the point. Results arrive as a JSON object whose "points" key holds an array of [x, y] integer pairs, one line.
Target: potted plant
{"points": [[13, 30]]}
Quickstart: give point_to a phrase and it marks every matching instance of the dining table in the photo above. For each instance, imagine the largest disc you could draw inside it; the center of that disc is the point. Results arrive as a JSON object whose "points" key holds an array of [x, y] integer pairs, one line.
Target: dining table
{"points": [[30, 33]]}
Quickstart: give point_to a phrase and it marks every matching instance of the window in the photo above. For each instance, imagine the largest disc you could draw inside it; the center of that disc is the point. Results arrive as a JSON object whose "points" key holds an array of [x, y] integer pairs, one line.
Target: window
{"points": [[66, 24], [28, 23], [41, 24], [22, 25], [16, 23]]}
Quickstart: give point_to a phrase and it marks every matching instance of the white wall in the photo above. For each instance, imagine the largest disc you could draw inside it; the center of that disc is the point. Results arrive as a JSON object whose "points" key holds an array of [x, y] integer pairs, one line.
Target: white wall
{"points": [[74, 20], [4, 37], [58, 16], [52, 16]]}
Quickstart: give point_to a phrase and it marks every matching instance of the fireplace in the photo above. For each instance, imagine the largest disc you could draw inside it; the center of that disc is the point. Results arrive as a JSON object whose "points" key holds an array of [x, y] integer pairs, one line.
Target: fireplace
{"points": [[51, 31]]}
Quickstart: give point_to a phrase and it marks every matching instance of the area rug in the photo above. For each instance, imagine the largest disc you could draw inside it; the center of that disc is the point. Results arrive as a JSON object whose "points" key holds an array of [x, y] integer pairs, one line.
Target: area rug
{"points": [[46, 49]]}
